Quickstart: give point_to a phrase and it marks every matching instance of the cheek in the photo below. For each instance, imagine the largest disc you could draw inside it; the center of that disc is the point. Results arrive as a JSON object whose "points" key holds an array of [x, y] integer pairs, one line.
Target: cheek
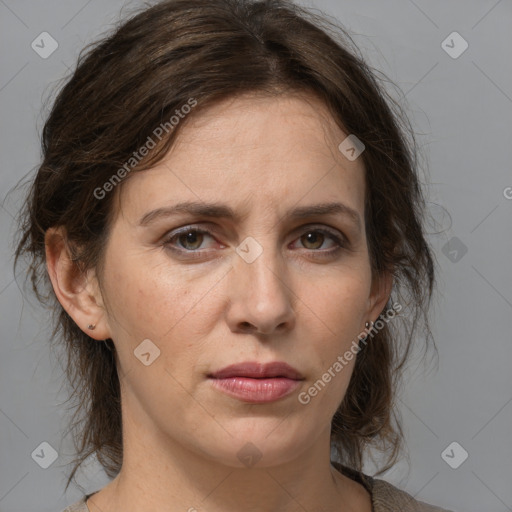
{"points": [[341, 302], [341, 309], [161, 303], [141, 296]]}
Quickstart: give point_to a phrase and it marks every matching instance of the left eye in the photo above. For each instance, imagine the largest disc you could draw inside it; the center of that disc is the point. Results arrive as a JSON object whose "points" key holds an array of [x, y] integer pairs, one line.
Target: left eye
{"points": [[315, 236], [190, 240]]}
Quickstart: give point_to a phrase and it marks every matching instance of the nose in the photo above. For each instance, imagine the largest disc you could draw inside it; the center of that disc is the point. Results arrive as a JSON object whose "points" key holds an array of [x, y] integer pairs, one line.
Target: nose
{"points": [[261, 301]]}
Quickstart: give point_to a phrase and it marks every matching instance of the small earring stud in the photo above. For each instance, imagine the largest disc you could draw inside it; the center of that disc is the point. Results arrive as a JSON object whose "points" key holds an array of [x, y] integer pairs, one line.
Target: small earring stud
{"points": [[91, 327], [369, 324]]}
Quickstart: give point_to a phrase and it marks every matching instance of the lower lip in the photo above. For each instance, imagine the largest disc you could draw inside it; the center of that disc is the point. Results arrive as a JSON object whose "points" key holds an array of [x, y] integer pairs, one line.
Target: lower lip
{"points": [[256, 391]]}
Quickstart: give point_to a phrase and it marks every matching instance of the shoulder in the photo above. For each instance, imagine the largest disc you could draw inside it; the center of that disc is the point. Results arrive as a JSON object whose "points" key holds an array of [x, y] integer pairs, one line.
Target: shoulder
{"points": [[79, 506], [388, 498], [385, 496]]}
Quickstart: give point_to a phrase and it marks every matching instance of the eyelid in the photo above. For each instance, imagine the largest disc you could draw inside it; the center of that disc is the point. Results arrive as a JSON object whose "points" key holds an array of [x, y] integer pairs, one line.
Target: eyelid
{"points": [[337, 236], [186, 229]]}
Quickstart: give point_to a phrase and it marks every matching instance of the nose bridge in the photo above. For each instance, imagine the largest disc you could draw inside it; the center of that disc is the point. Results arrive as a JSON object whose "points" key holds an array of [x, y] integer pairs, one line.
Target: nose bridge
{"points": [[259, 292]]}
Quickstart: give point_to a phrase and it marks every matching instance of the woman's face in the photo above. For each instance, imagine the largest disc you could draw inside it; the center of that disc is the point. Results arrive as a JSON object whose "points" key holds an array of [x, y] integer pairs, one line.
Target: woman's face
{"points": [[262, 286]]}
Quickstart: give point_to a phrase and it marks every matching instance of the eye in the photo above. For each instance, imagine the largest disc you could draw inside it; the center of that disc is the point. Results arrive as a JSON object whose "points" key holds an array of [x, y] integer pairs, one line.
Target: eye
{"points": [[314, 239], [189, 239]]}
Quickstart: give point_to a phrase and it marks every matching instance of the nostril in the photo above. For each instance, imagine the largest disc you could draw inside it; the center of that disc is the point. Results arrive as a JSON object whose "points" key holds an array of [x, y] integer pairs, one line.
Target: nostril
{"points": [[246, 326]]}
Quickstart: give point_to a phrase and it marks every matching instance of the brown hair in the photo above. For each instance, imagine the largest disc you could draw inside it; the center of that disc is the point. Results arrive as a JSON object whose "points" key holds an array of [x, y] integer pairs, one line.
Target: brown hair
{"points": [[127, 84]]}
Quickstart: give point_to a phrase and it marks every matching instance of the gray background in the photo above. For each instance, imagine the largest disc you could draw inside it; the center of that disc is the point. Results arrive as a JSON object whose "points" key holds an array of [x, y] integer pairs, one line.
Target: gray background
{"points": [[461, 109]]}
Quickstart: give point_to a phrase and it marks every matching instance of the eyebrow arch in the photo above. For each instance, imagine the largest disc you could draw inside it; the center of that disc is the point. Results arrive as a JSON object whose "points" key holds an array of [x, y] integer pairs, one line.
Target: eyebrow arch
{"points": [[219, 210]]}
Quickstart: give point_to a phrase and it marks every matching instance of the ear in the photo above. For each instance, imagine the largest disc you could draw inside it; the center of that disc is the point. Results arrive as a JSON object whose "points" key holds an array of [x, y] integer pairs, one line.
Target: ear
{"points": [[380, 293], [78, 292]]}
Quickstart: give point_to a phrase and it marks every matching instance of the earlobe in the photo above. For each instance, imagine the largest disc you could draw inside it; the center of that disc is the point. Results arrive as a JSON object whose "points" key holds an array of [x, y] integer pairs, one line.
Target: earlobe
{"points": [[76, 290]]}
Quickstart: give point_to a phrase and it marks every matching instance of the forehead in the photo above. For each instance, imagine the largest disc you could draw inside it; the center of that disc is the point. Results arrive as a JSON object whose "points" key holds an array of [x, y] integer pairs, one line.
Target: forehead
{"points": [[253, 151], [297, 126]]}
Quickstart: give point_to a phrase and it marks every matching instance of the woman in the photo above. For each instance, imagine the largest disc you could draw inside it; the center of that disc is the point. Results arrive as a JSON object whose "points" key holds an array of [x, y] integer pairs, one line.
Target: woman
{"points": [[228, 218]]}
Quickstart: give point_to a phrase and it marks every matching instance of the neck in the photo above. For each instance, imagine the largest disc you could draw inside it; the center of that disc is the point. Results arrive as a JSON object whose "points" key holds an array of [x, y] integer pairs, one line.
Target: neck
{"points": [[170, 475], [181, 480]]}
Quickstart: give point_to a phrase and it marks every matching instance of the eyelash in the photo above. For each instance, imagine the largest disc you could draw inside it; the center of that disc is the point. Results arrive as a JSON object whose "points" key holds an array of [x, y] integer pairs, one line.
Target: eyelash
{"points": [[340, 241]]}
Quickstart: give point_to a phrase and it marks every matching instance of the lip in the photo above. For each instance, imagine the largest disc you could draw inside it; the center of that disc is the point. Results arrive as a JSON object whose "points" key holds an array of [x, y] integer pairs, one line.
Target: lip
{"points": [[257, 370], [256, 391], [254, 382]]}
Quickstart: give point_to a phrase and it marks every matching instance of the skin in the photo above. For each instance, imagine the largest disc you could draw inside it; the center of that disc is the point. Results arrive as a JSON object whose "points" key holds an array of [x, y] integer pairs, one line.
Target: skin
{"points": [[263, 156]]}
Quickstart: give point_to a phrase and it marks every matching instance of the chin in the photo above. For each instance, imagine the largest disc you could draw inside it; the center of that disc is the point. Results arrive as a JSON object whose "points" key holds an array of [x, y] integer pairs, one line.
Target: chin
{"points": [[260, 445]]}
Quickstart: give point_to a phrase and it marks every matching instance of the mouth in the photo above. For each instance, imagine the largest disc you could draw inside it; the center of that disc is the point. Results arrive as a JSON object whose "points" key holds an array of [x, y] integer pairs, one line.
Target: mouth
{"points": [[255, 370], [257, 383]]}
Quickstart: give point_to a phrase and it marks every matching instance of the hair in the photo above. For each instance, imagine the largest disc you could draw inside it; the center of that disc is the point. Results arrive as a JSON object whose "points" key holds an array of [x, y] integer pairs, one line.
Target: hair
{"points": [[135, 78]]}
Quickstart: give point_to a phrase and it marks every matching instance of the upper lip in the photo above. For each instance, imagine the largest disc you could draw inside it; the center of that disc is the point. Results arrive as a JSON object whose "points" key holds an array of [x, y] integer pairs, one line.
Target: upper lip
{"points": [[257, 370]]}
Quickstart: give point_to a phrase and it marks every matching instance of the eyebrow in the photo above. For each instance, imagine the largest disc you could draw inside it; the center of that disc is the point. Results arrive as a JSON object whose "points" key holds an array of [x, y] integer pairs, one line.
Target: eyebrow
{"points": [[219, 210]]}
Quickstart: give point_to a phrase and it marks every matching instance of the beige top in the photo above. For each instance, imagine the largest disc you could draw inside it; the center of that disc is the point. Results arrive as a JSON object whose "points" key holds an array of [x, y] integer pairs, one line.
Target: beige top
{"points": [[385, 497]]}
